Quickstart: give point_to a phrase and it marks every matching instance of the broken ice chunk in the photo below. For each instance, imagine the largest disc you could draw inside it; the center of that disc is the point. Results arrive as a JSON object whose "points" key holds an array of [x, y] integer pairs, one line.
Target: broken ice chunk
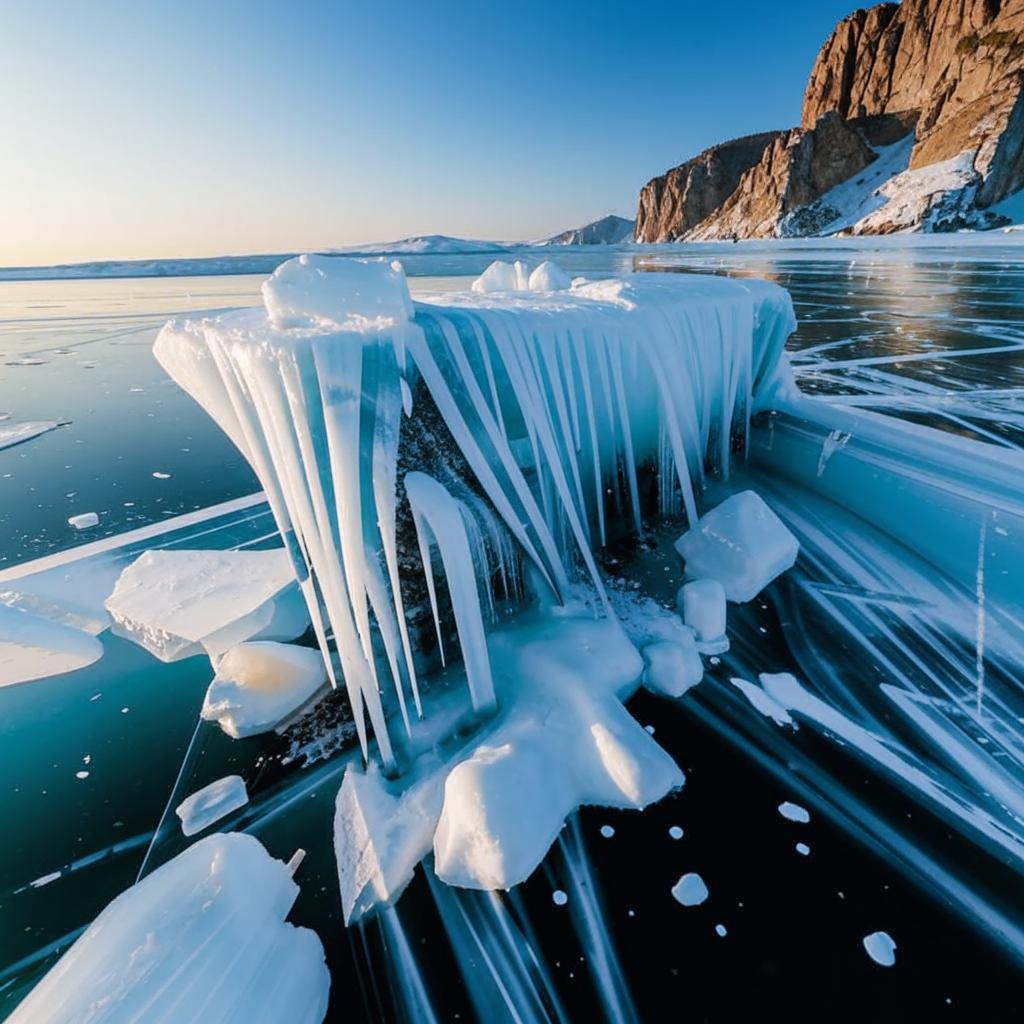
{"points": [[498, 277], [84, 520], [34, 647], [261, 683], [178, 603], [702, 604], [880, 948], [671, 667], [741, 543], [549, 277], [690, 890], [330, 292], [794, 812], [764, 702], [211, 803], [203, 938], [16, 433]]}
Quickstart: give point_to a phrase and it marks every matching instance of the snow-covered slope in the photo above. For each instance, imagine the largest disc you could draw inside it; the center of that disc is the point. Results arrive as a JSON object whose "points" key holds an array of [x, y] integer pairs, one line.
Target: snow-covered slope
{"points": [[422, 245], [610, 230]]}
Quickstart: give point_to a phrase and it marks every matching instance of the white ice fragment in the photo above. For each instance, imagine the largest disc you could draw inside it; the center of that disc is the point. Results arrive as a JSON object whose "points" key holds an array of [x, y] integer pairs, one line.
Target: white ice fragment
{"points": [[672, 667], [721, 931], [261, 683], [880, 948], [202, 938], [794, 812], [702, 604], [675, 832], [764, 703], [549, 277], [161, 476], [498, 277], [803, 849], [15, 433], [559, 898], [741, 543], [178, 603], [211, 803], [607, 831], [690, 890], [332, 292], [34, 647], [84, 520], [38, 883]]}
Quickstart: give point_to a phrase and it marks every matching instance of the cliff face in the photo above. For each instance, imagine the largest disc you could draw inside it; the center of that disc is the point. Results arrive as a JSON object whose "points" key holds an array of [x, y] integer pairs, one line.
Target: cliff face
{"points": [[674, 204], [950, 71]]}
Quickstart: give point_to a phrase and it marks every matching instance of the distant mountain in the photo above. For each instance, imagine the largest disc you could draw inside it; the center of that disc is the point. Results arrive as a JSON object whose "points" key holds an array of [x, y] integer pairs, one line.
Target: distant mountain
{"points": [[913, 120], [421, 245], [610, 230]]}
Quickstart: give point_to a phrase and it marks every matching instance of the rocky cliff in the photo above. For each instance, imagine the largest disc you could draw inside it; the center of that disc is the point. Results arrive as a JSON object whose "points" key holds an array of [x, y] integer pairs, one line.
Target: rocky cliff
{"points": [[934, 89]]}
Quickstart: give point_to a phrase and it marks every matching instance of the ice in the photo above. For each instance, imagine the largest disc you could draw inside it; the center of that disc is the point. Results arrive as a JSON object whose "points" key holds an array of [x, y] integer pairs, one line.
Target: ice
{"points": [[803, 849], [549, 277], [15, 433], [178, 603], [741, 543], [34, 647], [490, 810], [541, 441], [702, 603], [559, 898], [607, 831], [211, 803], [690, 890], [202, 938], [84, 520], [324, 292], [794, 812], [261, 683], [675, 832], [764, 702], [880, 948], [672, 667], [721, 931]]}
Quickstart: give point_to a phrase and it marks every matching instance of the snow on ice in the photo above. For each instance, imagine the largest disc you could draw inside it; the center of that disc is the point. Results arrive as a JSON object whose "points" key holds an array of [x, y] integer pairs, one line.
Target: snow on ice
{"points": [[180, 603], [202, 938], [741, 543], [260, 684]]}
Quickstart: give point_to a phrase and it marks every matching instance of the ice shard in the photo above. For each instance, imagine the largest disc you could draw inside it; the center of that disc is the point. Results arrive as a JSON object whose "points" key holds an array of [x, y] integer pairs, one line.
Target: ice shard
{"points": [[549, 419]]}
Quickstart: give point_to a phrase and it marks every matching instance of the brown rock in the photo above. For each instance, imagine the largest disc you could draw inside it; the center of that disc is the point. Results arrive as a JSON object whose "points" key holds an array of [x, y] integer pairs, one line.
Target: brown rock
{"points": [[797, 168], [676, 202]]}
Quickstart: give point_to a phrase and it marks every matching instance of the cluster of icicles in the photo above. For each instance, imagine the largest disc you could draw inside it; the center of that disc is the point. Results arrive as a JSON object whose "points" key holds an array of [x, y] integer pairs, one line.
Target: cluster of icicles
{"points": [[554, 400]]}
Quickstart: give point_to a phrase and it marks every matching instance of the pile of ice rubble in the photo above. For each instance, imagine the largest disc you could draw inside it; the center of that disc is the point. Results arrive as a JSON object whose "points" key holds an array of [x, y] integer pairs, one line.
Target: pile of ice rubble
{"points": [[313, 391]]}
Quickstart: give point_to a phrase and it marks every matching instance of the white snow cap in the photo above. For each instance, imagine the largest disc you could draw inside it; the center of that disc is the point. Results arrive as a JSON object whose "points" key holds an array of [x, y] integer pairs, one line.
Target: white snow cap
{"points": [[517, 277], [261, 683], [741, 543], [335, 292], [203, 938]]}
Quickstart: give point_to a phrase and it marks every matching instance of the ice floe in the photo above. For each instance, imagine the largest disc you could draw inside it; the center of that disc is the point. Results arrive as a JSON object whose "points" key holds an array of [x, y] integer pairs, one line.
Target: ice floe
{"points": [[16, 433], [211, 803], [34, 646], [179, 603], [84, 520], [202, 938], [690, 890], [261, 683], [764, 702], [794, 812], [741, 543], [881, 948]]}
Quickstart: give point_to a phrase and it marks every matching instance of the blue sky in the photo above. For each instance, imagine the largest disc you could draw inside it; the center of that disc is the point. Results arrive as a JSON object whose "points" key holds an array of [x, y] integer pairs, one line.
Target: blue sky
{"points": [[151, 129]]}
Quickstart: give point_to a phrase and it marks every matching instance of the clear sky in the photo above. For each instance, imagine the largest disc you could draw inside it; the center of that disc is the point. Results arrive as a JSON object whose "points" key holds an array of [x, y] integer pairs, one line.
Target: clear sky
{"points": [[177, 128]]}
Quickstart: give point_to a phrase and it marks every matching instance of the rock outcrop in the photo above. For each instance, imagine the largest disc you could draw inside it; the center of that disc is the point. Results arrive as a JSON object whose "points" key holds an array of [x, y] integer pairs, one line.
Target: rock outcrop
{"points": [[674, 204], [950, 71]]}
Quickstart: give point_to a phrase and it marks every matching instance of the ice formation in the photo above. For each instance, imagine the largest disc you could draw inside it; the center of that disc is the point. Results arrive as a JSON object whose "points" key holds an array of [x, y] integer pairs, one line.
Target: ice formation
{"points": [[535, 454], [84, 520], [702, 603], [794, 812], [260, 684], [203, 938], [180, 603], [211, 803], [690, 890], [671, 667], [36, 646], [880, 947], [741, 543], [16, 433], [491, 807]]}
